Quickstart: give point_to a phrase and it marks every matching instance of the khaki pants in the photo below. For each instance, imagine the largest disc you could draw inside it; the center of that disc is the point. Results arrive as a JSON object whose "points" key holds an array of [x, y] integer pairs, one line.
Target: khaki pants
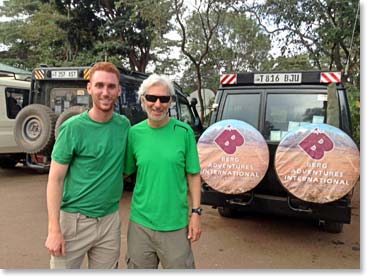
{"points": [[146, 248], [98, 238]]}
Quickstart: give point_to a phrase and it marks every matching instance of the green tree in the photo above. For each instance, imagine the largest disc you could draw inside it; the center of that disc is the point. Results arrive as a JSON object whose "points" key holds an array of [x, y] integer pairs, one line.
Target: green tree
{"points": [[32, 35], [109, 30], [80, 32], [328, 31], [202, 22], [238, 45], [296, 62], [131, 28]]}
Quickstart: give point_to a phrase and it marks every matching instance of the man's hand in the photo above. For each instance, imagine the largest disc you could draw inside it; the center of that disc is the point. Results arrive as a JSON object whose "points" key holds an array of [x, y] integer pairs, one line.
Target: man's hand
{"points": [[55, 244], [194, 228]]}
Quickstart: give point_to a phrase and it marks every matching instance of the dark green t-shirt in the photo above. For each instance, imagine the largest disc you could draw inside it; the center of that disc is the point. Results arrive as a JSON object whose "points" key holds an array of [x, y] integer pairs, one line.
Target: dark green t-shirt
{"points": [[95, 153], [162, 158]]}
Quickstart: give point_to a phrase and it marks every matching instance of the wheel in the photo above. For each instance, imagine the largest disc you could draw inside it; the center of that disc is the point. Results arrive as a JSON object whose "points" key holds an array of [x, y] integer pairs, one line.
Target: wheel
{"points": [[34, 128], [332, 226], [228, 212], [70, 112], [8, 162]]}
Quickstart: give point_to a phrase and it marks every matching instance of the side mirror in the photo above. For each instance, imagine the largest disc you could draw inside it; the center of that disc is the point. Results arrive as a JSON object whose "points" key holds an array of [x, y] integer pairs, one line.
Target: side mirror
{"points": [[193, 102]]}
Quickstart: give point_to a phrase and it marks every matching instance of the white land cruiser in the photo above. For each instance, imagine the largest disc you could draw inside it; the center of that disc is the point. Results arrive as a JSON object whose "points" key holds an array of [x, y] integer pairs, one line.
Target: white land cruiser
{"points": [[14, 91]]}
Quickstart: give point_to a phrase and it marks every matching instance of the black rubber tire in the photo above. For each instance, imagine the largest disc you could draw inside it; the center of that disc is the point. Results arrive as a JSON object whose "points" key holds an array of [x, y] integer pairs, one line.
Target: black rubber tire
{"points": [[332, 227], [8, 162], [228, 212], [68, 113], [34, 128]]}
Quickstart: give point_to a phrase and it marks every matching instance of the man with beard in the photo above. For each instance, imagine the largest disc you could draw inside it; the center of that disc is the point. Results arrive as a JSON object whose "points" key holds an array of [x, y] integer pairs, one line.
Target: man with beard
{"points": [[85, 181], [163, 152]]}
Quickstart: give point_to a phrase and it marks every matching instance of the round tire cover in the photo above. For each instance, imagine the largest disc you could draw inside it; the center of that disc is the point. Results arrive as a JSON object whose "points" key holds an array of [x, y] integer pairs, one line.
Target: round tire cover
{"points": [[317, 163], [234, 156]]}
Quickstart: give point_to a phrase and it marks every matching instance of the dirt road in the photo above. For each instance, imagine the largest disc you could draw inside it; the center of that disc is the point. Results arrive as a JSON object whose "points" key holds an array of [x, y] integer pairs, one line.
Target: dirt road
{"points": [[249, 242]]}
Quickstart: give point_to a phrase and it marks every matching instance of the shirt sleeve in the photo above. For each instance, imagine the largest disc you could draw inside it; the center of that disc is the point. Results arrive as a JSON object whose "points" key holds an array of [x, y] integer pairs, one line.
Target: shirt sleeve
{"points": [[64, 147], [130, 161]]}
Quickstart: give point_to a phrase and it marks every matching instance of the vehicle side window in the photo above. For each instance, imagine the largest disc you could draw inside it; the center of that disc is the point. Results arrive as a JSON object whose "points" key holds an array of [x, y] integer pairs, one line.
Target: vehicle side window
{"points": [[285, 112], [243, 107], [15, 101], [130, 103], [129, 93], [185, 111], [173, 109], [186, 114]]}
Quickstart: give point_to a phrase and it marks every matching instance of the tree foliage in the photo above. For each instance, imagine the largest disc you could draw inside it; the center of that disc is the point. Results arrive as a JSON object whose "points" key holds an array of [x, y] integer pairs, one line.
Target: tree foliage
{"points": [[216, 36], [33, 34], [197, 32], [75, 32], [326, 31], [323, 28], [238, 45]]}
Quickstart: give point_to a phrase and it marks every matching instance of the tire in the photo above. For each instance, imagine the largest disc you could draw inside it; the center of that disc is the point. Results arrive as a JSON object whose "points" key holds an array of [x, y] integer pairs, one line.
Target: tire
{"points": [[70, 112], [34, 128], [228, 212], [8, 162], [332, 227]]}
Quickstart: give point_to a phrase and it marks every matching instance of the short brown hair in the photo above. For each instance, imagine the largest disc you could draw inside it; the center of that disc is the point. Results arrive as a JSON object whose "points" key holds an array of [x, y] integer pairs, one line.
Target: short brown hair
{"points": [[105, 66]]}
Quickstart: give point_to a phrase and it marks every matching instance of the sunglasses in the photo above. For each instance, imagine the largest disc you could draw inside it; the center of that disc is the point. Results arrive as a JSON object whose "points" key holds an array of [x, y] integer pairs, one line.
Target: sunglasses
{"points": [[154, 98]]}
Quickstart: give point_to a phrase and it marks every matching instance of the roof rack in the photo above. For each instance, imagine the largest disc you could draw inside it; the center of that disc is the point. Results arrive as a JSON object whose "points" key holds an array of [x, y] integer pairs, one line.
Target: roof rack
{"points": [[16, 76]]}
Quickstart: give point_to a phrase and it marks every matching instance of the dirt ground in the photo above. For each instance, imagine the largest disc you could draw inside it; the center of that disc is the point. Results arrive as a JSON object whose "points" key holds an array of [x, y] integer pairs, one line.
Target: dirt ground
{"points": [[248, 242]]}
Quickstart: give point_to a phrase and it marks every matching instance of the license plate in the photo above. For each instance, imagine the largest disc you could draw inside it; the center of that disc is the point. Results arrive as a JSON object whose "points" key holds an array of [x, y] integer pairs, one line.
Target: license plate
{"points": [[64, 74], [278, 78]]}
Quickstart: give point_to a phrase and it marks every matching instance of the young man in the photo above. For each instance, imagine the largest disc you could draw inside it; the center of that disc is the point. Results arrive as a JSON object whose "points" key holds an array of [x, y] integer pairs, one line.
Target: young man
{"points": [[85, 180], [163, 151]]}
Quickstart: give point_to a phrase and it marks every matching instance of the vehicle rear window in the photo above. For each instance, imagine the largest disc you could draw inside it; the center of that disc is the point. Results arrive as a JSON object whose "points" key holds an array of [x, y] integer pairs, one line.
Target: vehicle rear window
{"points": [[245, 107], [62, 98], [285, 112]]}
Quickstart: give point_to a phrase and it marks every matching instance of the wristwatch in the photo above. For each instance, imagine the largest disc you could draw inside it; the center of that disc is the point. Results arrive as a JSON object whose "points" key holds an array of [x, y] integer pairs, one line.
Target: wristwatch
{"points": [[198, 211]]}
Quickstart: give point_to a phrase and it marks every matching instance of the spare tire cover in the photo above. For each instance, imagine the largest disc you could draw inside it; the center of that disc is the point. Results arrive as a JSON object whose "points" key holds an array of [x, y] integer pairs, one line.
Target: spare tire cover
{"points": [[317, 163], [234, 156]]}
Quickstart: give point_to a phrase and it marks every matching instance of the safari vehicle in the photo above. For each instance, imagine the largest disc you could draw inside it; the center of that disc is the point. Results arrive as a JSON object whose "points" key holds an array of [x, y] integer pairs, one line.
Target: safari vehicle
{"points": [[14, 90], [271, 103], [57, 93]]}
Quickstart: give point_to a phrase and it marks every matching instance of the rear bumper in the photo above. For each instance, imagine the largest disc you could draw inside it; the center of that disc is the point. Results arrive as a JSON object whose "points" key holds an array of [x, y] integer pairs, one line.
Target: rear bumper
{"points": [[38, 161], [338, 211]]}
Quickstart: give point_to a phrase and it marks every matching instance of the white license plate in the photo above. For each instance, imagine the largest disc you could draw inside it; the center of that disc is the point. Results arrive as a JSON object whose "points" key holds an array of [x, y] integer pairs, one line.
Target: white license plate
{"points": [[64, 74], [278, 78]]}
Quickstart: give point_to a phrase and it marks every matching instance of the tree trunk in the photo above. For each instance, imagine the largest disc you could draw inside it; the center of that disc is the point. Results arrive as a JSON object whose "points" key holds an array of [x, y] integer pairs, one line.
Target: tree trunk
{"points": [[198, 73]]}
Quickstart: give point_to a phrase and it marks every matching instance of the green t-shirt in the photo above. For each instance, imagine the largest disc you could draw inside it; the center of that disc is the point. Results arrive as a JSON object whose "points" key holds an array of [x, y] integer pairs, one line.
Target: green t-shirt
{"points": [[95, 153], [162, 158]]}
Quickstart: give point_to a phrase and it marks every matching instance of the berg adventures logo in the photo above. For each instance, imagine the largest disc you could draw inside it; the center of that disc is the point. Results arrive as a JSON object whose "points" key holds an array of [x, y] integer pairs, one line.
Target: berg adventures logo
{"points": [[229, 139], [316, 144]]}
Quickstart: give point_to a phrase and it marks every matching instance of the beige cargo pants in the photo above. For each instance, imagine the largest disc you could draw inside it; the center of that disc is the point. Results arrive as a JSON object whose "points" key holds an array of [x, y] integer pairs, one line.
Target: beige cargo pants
{"points": [[97, 238]]}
